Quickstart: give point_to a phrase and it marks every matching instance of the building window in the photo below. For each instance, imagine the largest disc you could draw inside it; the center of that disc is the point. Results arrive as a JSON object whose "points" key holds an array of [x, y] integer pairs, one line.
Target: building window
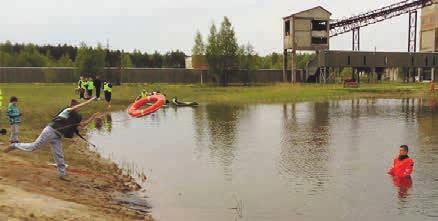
{"points": [[364, 60], [348, 60], [412, 61], [426, 61], [319, 25], [319, 40], [434, 60], [287, 28]]}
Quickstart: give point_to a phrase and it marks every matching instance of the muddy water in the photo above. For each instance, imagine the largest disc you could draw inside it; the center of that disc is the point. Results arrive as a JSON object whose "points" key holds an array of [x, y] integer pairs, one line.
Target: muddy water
{"points": [[304, 161]]}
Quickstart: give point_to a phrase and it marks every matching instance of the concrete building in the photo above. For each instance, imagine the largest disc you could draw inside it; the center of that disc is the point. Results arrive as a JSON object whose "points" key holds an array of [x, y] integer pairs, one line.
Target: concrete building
{"points": [[308, 30], [395, 66], [189, 64], [429, 28]]}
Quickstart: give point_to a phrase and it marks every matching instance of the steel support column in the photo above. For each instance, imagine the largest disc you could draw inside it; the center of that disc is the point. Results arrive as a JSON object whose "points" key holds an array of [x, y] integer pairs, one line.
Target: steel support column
{"points": [[412, 39], [285, 61], [356, 39]]}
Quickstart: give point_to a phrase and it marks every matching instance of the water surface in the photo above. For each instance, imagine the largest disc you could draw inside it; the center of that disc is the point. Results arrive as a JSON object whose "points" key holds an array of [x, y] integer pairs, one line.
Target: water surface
{"points": [[304, 161]]}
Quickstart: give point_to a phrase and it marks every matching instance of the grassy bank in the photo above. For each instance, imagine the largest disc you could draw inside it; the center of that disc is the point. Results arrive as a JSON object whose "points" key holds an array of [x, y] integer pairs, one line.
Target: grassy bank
{"points": [[94, 179], [56, 94]]}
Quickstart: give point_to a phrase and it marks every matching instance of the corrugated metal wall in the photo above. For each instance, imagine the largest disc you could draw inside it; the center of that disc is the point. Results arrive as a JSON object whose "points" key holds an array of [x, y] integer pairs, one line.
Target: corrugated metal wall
{"points": [[132, 75]]}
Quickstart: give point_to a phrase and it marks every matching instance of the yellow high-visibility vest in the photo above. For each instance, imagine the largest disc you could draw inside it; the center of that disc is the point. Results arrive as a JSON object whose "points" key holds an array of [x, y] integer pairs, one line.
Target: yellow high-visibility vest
{"points": [[107, 88]]}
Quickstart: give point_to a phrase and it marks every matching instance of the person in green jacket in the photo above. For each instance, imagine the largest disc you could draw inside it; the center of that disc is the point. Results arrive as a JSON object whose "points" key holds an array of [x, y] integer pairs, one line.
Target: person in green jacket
{"points": [[90, 87], [14, 119]]}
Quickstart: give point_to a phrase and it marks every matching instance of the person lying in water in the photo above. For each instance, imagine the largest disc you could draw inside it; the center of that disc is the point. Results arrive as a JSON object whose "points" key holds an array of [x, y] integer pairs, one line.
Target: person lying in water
{"points": [[65, 124], [403, 165]]}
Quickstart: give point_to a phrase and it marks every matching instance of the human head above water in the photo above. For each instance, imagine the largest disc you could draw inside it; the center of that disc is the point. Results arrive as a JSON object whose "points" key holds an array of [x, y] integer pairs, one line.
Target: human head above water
{"points": [[404, 149], [13, 99]]}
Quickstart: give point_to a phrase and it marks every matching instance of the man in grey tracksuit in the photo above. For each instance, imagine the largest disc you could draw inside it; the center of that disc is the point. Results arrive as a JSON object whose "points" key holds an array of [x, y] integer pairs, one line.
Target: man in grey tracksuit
{"points": [[65, 124]]}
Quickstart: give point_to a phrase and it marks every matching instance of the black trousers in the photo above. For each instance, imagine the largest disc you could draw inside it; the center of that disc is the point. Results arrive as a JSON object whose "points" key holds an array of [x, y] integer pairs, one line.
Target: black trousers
{"points": [[81, 93], [97, 92], [107, 96], [90, 93]]}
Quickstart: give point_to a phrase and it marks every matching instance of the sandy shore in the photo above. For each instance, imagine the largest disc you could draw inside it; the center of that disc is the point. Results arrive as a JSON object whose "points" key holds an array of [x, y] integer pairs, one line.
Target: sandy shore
{"points": [[30, 188]]}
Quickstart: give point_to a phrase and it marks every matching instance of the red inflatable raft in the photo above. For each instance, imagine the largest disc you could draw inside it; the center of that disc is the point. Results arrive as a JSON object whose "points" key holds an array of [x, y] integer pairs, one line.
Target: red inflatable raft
{"points": [[135, 109]]}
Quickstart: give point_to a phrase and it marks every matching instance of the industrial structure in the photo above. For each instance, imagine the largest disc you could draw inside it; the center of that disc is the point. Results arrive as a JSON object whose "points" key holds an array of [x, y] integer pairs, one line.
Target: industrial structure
{"points": [[429, 29], [311, 30]]}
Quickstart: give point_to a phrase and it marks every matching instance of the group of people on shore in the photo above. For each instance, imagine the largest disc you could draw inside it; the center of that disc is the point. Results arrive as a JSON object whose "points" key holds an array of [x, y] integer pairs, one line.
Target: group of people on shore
{"points": [[87, 85], [66, 124]]}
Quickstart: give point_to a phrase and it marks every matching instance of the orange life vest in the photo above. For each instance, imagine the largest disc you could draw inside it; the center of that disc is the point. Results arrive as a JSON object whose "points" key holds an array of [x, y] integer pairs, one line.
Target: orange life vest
{"points": [[402, 168]]}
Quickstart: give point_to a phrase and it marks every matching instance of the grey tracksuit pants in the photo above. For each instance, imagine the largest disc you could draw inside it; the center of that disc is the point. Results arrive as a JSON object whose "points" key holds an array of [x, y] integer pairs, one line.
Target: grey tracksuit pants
{"points": [[48, 135], [14, 133]]}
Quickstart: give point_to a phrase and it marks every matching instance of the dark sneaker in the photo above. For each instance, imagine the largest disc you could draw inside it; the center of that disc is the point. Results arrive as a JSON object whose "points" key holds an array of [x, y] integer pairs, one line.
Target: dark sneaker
{"points": [[64, 178]]}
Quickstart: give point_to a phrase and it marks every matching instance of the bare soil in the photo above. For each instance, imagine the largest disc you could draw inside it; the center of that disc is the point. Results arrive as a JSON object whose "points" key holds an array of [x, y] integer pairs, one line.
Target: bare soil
{"points": [[31, 190]]}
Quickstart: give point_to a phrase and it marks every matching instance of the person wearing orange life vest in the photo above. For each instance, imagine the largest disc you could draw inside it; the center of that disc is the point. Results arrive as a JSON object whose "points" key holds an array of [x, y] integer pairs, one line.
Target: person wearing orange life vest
{"points": [[403, 165]]}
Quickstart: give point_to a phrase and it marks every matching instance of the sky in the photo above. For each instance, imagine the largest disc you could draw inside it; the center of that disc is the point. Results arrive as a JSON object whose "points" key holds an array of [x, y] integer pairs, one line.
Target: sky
{"points": [[165, 25]]}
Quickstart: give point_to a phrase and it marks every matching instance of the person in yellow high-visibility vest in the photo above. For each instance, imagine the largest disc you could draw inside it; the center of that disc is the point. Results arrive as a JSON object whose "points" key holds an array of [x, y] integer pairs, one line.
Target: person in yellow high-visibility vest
{"points": [[90, 87], [107, 90], [81, 87]]}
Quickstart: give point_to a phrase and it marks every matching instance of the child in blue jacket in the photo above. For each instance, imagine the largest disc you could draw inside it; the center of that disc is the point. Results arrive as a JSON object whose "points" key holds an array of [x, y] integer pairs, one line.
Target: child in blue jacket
{"points": [[14, 119]]}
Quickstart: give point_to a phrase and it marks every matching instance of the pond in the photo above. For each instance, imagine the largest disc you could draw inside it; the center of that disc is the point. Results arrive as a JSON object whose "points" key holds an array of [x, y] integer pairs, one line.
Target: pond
{"points": [[303, 161]]}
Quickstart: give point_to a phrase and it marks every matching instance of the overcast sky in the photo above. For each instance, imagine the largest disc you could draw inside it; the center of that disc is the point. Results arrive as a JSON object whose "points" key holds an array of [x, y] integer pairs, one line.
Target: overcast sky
{"points": [[164, 25]]}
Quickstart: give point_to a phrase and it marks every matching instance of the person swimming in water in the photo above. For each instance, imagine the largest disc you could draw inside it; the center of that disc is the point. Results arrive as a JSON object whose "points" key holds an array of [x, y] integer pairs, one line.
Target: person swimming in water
{"points": [[402, 165]]}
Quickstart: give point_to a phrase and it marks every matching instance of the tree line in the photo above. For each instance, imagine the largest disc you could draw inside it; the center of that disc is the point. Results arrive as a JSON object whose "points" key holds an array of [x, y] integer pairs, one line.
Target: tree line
{"points": [[32, 55]]}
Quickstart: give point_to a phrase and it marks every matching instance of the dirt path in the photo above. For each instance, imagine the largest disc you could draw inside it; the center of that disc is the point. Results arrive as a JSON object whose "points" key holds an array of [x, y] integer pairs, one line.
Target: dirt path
{"points": [[30, 188]]}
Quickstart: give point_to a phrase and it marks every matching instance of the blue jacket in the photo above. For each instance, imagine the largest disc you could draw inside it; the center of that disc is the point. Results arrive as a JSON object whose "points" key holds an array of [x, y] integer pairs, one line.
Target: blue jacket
{"points": [[13, 114]]}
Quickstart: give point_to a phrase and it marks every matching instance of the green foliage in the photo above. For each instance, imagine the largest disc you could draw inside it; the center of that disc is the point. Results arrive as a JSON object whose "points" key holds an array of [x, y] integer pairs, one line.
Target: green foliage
{"points": [[156, 60], [172, 59], [6, 59], [346, 73], [222, 51], [126, 61], [199, 47], [90, 61], [140, 59], [304, 59], [30, 55], [65, 61], [247, 63], [212, 51]]}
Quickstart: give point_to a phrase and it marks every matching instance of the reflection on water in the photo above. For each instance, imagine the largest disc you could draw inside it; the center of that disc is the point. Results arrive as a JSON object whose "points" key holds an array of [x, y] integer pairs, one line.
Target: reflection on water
{"points": [[304, 152], [403, 184], [218, 125], [303, 161]]}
